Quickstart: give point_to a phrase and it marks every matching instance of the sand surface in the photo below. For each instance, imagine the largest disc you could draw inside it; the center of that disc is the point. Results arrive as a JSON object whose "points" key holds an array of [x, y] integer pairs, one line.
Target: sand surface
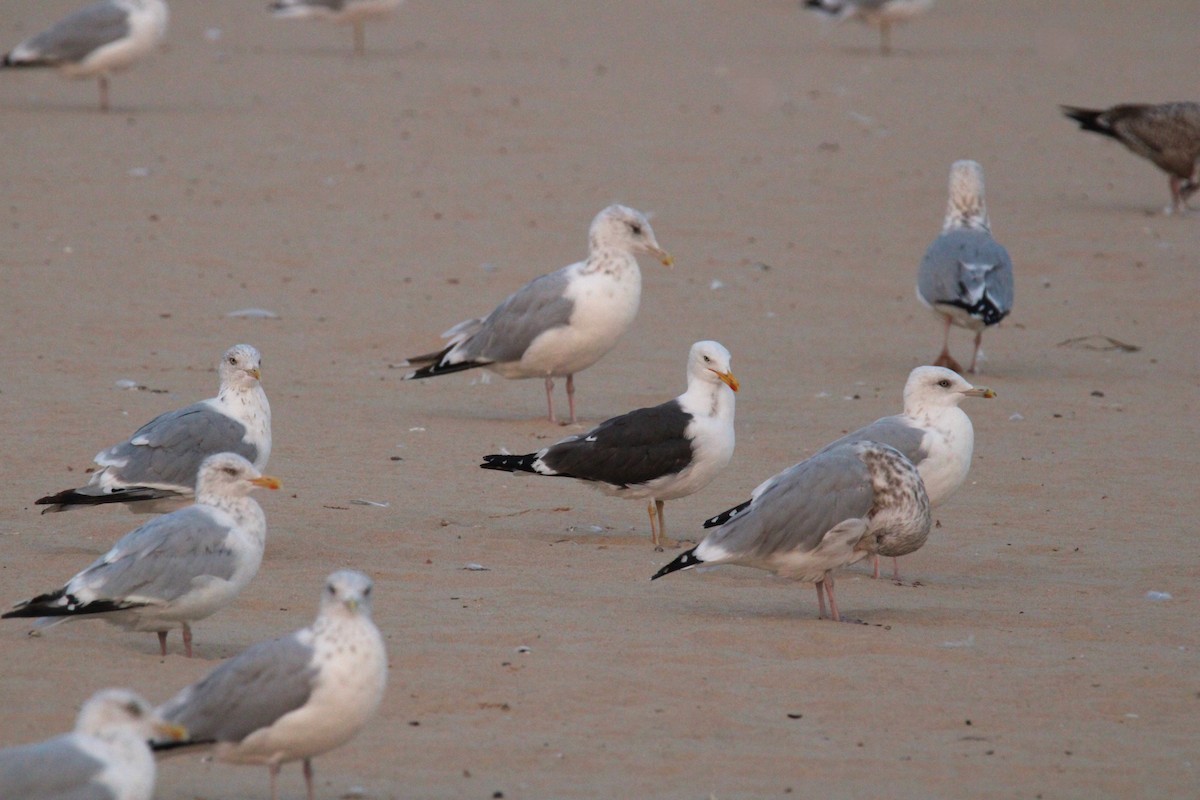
{"points": [[797, 178]]}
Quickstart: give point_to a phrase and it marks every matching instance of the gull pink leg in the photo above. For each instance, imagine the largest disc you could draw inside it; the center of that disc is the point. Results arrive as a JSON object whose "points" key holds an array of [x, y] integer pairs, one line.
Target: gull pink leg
{"points": [[571, 396], [550, 398]]}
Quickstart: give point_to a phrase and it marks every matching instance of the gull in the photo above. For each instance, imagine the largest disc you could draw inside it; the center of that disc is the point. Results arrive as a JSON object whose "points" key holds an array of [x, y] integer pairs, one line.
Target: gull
{"points": [[662, 453], [355, 12], [96, 40], [966, 277], [1167, 134], [834, 509], [932, 432], [880, 13], [560, 323], [293, 698], [106, 757], [157, 465], [177, 568]]}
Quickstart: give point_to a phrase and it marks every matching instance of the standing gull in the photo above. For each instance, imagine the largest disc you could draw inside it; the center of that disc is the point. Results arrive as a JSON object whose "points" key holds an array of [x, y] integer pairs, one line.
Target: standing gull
{"points": [[966, 277], [662, 453], [1167, 134], [175, 569], [96, 41], [106, 757], [293, 698], [560, 323], [932, 432], [158, 464], [880, 13], [354, 12], [836, 508]]}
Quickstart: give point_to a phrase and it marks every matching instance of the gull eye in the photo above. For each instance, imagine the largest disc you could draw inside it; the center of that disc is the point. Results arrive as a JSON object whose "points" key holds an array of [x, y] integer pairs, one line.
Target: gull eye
{"points": [[230, 471], [232, 359], [367, 592], [636, 228], [707, 360], [134, 710], [944, 383]]}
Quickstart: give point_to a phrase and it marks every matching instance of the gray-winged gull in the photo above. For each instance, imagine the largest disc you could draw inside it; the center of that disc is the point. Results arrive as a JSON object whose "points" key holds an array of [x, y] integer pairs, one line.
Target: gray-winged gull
{"points": [[662, 453], [882, 14], [106, 757], [96, 40], [932, 432], [346, 12], [157, 465], [966, 277], [836, 508], [175, 569], [560, 323], [1167, 134], [293, 698]]}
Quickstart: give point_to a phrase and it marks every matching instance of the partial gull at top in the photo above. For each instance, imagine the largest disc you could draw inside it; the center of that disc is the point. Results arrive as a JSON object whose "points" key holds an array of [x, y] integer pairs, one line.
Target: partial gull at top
{"points": [[96, 41], [158, 464], [932, 432], [966, 277], [349, 12], [294, 698], [883, 14], [662, 453], [1167, 134], [843, 504], [106, 757], [560, 323]]}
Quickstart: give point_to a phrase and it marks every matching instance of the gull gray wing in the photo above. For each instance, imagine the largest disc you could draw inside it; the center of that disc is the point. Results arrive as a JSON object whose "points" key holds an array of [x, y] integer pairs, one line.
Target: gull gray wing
{"points": [[967, 268], [56, 769], [74, 37], [535, 308], [249, 692], [631, 449], [895, 431], [162, 559], [167, 450], [795, 511]]}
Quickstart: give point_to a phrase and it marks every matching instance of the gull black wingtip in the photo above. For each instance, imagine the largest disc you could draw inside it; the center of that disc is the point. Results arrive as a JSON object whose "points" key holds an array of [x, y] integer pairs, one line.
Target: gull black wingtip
{"points": [[684, 560]]}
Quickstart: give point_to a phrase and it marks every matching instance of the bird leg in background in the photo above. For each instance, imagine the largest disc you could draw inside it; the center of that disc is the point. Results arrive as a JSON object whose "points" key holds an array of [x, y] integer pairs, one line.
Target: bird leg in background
{"points": [[550, 398], [571, 397], [162, 642], [308, 777], [187, 640], [944, 358], [103, 92], [826, 583], [658, 534], [360, 47], [274, 770], [978, 348], [885, 38]]}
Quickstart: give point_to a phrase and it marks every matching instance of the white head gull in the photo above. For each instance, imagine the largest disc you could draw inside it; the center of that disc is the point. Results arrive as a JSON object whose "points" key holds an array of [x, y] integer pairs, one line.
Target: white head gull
{"points": [[106, 757], [560, 323], [344, 12], [966, 277], [932, 432], [158, 464], [662, 453], [831, 510], [177, 568], [96, 40], [294, 698]]}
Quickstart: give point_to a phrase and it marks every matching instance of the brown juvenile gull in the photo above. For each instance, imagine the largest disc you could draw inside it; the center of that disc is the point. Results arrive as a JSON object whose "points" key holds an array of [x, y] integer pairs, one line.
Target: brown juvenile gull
{"points": [[106, 757], [157, 466], [352, 12], [966, 277], [560, 323], [662, 453], [836, 508], [293, 698], [932, 432], [96, 40], [1167, 134], [177, 568], [880, 13]]}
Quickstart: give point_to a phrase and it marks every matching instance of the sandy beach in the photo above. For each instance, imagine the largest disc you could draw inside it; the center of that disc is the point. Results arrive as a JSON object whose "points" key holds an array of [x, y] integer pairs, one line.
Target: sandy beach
{"points": [[797, 177]]}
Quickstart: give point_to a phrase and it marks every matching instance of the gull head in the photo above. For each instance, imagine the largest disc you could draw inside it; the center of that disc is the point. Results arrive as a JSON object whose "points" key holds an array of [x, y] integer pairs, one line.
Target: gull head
{"points": [[937, 387], [113, 712], [230, 475], [966, 207], [710, 361], [623, 228], [240, 367], [347, 592]]}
